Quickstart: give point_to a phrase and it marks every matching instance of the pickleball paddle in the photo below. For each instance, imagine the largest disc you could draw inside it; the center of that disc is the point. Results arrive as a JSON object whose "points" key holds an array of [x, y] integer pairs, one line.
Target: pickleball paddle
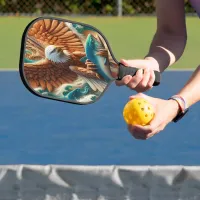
{"points": [[69, 61]]}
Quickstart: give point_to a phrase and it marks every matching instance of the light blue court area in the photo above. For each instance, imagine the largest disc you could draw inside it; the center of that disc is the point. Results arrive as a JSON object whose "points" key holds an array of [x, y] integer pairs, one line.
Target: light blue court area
{"points": [[40, 131]]}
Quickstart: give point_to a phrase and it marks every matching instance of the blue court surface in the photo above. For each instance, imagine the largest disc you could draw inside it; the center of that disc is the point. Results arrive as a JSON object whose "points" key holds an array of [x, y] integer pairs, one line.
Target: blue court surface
{"points": [[35, 130]]}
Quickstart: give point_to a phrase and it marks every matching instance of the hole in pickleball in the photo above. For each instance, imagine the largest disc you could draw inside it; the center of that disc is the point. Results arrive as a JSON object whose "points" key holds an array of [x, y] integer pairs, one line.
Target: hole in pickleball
{"points": [[146, 115], [142, 109]]}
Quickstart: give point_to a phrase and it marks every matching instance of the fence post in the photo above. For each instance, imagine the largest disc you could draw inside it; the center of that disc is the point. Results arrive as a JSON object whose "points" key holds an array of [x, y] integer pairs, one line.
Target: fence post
{"points": [[119, 8]]}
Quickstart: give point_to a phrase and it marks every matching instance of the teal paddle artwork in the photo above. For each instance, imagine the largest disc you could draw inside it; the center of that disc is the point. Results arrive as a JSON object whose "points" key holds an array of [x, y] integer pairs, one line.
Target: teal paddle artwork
{"points": [[92, 48], [79, 93], [80, 28], [26, 60]]}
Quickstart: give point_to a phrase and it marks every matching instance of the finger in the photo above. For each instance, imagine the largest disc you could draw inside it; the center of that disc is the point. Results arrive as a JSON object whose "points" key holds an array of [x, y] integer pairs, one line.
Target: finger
{"points": [[143, 130], [134, 63], [155, 132], [145, 79], [135, 134], [151, 79], [136, 79], [125, 80], [140, 88], [145, 85], [155, 123]]}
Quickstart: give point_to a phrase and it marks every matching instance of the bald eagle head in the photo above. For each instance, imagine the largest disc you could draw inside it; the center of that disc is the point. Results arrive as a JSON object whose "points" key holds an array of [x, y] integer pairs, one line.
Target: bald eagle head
{"points": [[56, 54]]}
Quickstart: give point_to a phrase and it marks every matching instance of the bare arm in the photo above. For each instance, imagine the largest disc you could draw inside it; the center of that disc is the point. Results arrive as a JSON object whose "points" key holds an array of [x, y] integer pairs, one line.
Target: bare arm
{"points": [[191, 91], [170, 38]]}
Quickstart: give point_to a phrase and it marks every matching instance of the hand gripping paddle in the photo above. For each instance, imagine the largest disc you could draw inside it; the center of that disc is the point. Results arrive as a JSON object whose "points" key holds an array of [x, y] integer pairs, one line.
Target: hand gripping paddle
{"points": [[68, 61]]}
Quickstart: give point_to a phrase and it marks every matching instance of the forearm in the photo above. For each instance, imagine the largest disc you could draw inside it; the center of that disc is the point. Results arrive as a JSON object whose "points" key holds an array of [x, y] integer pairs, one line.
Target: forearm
{"points": [[166, 49], [191, 91], [170, 38]]}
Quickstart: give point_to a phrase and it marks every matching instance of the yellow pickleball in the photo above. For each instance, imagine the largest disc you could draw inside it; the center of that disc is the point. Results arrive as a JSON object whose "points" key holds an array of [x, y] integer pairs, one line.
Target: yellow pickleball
{"points": [[138, 112]]}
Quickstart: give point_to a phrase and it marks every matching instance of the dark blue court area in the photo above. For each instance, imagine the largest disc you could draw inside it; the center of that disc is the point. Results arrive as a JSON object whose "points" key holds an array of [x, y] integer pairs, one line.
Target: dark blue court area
{"points": [[34, 130]]}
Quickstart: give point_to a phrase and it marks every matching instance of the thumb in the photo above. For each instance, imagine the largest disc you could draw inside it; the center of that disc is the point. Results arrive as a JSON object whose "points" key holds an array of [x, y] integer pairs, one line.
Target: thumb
{"points": [[134, 63], [148, 129], [155, 123]]}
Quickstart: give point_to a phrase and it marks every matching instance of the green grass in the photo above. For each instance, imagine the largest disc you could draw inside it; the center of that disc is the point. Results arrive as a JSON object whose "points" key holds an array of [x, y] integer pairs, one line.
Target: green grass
{"points": [[128, 37]]}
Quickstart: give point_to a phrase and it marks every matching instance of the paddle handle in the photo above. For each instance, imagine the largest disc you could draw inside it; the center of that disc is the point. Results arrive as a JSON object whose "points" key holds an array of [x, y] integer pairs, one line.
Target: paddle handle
{"points": [[124, 71]]}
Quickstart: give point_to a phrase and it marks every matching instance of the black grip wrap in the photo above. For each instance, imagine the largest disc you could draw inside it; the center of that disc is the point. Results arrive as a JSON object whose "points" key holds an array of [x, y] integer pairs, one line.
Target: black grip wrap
{"points": [[124, 71]]}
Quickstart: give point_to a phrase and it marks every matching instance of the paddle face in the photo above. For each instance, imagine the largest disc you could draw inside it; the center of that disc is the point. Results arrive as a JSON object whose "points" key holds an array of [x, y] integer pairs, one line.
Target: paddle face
{"points": [[66, 61]]}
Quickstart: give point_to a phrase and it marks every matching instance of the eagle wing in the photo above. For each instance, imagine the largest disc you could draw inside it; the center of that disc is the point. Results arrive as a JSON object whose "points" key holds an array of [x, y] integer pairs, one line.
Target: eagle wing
{"points": [[55, 32], [44, 73], [48, 75], [94, 80]]}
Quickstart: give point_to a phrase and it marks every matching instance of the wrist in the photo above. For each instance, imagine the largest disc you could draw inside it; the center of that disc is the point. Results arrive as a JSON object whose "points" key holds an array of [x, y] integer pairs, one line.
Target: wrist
{"points": [[154, 63], [182, 107], [175, 106], [163, 56]]}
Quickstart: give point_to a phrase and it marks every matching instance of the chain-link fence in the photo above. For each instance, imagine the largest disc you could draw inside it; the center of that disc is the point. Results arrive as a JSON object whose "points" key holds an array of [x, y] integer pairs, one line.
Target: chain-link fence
{"points": [[80, 7]]}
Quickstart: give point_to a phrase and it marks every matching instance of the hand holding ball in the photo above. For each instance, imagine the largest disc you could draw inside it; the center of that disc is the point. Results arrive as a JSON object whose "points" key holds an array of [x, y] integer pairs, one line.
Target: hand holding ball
{"points": [[138, 111]]}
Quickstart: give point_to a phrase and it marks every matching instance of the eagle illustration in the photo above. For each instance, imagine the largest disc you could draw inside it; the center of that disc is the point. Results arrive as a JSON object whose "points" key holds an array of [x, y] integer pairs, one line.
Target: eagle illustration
{"points": [[56, 52]]}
